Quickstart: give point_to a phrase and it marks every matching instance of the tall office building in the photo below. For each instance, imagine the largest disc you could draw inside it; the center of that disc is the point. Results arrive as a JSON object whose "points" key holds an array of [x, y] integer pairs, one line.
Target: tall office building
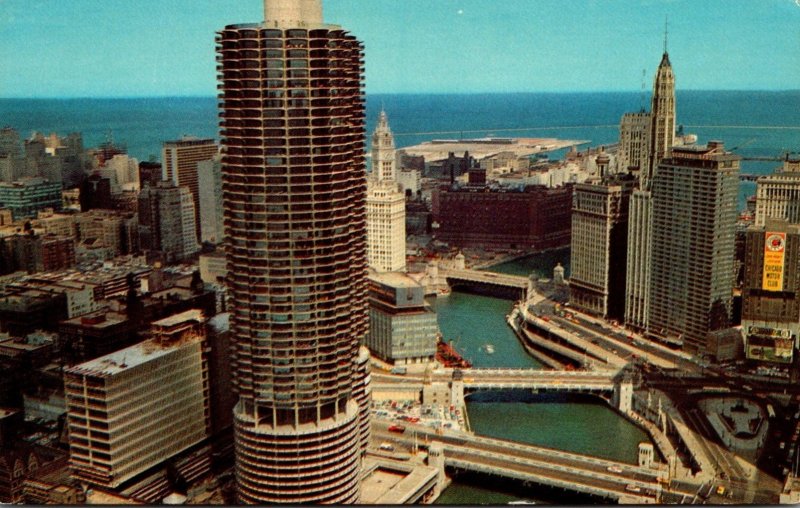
{"points": [[692, 250], [634, 142], [212, 220], [645, 138], [662, 117], [637, 276], [294, 190], [180, 161], [166, 221], [386, 205], [599, 242], [778, 194]]}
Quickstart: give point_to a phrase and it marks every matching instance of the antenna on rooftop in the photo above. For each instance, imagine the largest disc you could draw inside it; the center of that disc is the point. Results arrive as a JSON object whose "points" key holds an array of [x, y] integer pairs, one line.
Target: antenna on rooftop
{"points": [[644, 85], [666, 31]]}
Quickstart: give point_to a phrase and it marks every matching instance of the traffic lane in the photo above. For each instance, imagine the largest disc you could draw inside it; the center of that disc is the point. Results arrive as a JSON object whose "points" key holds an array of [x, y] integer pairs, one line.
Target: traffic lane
{"points": [[611, 486], [552, 459], [618, 334], [594, 464], [592, 346], [616, 339]]}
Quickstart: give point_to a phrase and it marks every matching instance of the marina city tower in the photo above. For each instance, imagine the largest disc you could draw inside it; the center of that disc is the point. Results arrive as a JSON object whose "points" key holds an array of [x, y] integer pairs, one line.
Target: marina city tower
{"points": [[294, 188]]}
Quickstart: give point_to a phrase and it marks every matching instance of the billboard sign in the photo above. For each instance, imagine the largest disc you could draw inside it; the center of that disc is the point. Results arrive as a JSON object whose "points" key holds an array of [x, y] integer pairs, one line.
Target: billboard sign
{"points": [[770, 344], [774, 254]]}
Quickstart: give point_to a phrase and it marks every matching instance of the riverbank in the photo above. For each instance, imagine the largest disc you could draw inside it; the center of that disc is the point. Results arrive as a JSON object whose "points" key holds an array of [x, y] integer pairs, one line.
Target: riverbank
{"points": [[577, 424]]}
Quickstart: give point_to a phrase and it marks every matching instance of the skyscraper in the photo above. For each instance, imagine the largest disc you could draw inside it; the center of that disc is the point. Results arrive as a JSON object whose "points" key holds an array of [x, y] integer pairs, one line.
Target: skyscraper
{"points": [[637, 274], [209, 183], [166, 221], [599, 242], [645, 138], [662, 116], [386, 205], [294, 188], [634, 142], [692, 249], [180, 165]]}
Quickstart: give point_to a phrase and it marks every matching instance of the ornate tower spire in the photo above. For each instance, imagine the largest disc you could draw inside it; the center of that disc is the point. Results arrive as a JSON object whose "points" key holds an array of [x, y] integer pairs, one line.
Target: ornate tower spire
{"points": [[293, 13], [383, 150], [662, 111]]}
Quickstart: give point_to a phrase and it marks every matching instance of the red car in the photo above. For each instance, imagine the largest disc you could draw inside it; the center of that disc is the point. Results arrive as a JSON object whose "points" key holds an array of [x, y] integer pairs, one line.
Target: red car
{"points": [[397, 428]]}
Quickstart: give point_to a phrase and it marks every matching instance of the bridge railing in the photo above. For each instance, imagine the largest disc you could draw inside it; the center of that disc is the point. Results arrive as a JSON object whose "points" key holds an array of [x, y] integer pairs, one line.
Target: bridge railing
{"points": [[552, 480]]}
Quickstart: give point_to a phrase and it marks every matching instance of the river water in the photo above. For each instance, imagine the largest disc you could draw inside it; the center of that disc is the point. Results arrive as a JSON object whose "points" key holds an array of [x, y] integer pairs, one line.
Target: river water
{"points": [[573, 423]]}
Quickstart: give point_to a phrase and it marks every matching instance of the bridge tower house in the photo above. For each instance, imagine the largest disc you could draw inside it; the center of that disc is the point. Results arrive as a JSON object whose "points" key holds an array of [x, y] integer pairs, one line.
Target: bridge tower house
{"points": [[436, 460], [623, 395], [460, 261], [457, 389], [646, 455]]}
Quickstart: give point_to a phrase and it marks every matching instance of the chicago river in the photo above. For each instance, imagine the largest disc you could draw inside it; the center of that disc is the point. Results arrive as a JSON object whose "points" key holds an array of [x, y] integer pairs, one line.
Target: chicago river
{"points": [[572, 423]]}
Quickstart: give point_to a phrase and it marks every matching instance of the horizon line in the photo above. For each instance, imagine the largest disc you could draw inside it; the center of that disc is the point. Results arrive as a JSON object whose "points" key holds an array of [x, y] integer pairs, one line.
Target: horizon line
{"points": [[528, 92]]}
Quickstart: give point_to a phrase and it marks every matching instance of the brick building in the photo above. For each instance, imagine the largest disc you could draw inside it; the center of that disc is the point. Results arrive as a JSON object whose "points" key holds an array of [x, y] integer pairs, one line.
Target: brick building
{"points": [[534, 218]]}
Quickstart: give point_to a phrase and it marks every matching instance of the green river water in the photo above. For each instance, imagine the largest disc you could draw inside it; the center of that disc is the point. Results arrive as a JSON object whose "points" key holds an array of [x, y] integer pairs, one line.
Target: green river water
{"points": [[572, 423]]}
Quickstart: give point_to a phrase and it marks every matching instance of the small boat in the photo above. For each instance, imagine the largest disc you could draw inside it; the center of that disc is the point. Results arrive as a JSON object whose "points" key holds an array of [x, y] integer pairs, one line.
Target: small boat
{"points": [[521, 501], [488, 348]]}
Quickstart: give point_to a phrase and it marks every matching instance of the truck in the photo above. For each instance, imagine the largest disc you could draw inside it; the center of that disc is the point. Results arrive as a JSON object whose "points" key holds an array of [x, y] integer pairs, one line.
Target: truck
{"points": [[387, 447], [398, 370]]}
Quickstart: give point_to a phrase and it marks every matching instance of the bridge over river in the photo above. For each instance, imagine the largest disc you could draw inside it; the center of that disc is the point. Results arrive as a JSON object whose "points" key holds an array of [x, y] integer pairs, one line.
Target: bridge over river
{"points": [[609, 381], [495, 284], [617, 481]]}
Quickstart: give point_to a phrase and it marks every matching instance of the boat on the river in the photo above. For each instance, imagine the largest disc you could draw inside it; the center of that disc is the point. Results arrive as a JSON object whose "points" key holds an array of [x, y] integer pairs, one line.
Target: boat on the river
{"points": [[447, 355], [488, 348]]}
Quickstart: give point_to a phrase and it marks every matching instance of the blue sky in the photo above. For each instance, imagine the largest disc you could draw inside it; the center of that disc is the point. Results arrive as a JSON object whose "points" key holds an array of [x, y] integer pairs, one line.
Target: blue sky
{"points": [[110, 48]]}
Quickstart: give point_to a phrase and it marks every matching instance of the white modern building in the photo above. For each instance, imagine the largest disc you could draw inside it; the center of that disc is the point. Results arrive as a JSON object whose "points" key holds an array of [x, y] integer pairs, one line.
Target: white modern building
{"points": [[637, 279], [180, 161], [133, 409]]}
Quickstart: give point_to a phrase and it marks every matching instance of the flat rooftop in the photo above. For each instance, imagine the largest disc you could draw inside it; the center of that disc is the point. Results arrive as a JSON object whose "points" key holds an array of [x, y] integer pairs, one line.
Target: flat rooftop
{"points": [[392, 482], [118, 361], [91, 320], [394, 279], [487, 147], [176, 319]]}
